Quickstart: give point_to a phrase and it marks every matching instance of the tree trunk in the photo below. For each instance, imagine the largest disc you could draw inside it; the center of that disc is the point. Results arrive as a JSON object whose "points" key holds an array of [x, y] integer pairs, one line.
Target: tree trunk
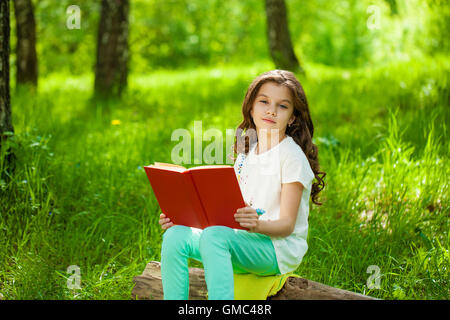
{"points": [[6, 127], [278, 36], [149, 287], [111, 69], [26, 58], [5, 99], [393, 6]]}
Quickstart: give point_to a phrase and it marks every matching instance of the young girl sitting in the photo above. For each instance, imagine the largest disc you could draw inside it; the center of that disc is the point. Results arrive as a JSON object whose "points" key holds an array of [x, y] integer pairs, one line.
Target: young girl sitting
{"points": [[275, 165]]}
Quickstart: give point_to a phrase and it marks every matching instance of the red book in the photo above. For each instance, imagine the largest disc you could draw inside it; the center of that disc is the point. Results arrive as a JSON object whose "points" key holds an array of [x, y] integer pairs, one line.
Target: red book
{"points": [[197, 197]]}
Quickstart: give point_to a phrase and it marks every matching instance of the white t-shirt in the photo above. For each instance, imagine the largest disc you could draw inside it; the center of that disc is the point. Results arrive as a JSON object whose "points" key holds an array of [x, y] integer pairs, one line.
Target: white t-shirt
{"points": [[260, 179]]}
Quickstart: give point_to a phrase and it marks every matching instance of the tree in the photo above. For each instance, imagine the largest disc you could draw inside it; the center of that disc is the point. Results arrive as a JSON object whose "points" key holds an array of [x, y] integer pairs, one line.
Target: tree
{"points": [[393, 6], [278, 36], [111, 68], [5, 100], [148, 286], [26, 57]]}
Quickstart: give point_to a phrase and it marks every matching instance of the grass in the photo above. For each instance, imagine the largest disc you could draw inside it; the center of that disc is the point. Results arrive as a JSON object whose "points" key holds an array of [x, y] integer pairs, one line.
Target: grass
{"points": [[79, 195]]}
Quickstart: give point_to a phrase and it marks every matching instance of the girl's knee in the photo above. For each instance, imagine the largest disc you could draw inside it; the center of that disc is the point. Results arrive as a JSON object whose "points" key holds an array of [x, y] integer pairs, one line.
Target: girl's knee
{"points": [[176, 236], [215, 232], [214, 236]]}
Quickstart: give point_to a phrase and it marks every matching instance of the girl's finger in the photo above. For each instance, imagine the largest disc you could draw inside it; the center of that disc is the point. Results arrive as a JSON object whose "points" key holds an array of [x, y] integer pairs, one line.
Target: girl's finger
{"points": [[246, 213], [163, 220], [253, 215], [167, 225], [248, 225], [245, 209], [245, 220], [249, 209]]}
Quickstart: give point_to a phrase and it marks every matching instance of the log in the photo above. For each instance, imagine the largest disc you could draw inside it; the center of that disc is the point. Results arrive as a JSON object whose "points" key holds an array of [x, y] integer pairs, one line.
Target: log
{"points": [[148, 286]]}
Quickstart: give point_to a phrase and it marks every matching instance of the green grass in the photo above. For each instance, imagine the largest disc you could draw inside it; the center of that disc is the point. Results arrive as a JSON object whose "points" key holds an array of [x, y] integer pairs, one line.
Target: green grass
{"points": [[79, 195]]}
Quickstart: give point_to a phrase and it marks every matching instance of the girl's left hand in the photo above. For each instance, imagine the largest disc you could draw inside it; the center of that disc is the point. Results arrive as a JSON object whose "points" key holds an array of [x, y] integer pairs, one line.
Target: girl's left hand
{"points": [[247, 217]]}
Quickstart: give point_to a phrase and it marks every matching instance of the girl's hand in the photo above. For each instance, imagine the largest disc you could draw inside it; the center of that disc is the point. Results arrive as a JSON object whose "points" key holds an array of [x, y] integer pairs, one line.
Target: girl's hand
{"points": [[164, 222], [247, 218]]}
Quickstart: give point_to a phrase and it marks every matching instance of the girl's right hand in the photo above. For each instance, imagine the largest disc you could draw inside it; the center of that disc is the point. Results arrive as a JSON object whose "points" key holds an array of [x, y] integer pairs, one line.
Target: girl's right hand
{"points": [[164, 222]]}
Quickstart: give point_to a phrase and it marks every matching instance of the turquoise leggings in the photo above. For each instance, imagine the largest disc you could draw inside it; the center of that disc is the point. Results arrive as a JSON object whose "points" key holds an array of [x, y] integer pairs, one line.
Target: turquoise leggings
{"points": [[222, 250]]}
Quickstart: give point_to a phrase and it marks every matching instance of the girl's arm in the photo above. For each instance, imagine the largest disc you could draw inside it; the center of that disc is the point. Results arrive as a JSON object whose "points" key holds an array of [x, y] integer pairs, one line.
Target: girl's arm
{"points": [[291, 194]]}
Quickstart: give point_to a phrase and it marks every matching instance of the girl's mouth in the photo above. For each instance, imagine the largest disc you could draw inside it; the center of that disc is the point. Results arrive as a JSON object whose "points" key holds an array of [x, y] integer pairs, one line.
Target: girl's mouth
{"points": [[268, 121]]}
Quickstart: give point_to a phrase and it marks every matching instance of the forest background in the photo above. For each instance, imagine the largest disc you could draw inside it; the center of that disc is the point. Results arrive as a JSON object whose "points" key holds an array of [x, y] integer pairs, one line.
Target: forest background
{"points": [[78, 218]]}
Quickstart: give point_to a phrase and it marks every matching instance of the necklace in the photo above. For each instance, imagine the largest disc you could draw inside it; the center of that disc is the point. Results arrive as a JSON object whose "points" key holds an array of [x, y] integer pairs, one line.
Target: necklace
{"points": [[240, 167]]}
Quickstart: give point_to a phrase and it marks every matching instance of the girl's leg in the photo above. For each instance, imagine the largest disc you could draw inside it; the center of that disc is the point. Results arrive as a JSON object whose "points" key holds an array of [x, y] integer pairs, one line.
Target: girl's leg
{"points": [[224, 250], [179, 244]]}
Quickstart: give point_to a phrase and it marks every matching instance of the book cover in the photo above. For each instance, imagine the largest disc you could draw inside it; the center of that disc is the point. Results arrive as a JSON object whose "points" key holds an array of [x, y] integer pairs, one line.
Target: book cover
{"points": [[197, 197]]}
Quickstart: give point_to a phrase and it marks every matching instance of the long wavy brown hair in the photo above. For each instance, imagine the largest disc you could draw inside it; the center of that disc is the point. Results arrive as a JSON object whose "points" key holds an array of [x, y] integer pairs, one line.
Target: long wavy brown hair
{"points": [[301, 130]]}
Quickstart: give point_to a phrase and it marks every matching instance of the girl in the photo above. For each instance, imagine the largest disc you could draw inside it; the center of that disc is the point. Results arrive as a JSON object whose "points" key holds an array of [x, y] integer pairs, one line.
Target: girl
{"points": [[275, 165]]}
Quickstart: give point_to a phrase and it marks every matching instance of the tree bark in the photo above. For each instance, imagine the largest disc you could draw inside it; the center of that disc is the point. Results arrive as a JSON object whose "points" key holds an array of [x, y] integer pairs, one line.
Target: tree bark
{"points": [[26, 57], [148, 286], [5, 98], [278, 37], [111, 69]]}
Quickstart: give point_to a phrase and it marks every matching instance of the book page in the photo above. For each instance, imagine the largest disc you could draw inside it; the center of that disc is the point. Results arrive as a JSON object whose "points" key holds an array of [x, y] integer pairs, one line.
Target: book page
{"points": [[163, 164], [217, 166]]}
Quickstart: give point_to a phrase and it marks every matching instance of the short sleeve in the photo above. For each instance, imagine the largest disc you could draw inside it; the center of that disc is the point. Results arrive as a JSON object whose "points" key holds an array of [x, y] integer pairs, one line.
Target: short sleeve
{"points": [[296, 168]]}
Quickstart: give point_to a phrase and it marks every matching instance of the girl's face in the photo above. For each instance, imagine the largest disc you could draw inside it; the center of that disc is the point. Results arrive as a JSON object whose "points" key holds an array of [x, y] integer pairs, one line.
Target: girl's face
{"points": [[273, 102]]}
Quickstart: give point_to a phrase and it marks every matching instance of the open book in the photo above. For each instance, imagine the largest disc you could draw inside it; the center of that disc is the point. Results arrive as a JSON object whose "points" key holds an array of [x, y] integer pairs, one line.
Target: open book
{"points": [[197, 197]]}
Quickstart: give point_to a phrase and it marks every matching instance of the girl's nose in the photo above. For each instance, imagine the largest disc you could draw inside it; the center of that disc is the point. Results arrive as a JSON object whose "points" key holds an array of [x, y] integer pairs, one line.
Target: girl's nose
{"points": [[271, 111]]}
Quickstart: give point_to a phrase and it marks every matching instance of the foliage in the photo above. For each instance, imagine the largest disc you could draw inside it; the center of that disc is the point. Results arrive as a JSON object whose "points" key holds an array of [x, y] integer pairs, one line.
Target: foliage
{"points": [[378, 99], [188, 33], [80, 195]]}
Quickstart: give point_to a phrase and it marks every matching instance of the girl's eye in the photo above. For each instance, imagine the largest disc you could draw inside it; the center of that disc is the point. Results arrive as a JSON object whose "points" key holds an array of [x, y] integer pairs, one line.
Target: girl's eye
{"points": [[283, 106], [263, 101]]}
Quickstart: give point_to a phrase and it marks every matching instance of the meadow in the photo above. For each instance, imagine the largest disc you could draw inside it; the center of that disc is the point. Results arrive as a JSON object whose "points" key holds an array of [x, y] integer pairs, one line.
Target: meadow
{"points": [[80, 196]]}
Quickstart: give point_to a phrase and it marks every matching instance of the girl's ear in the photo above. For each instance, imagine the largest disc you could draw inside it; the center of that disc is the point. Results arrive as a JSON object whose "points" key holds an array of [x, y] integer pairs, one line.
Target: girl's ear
{"points": [[291, 120]]}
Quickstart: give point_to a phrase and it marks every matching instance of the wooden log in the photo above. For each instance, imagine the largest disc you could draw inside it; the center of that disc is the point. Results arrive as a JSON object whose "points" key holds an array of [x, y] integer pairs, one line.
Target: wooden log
{"points": [[148, 286]]}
